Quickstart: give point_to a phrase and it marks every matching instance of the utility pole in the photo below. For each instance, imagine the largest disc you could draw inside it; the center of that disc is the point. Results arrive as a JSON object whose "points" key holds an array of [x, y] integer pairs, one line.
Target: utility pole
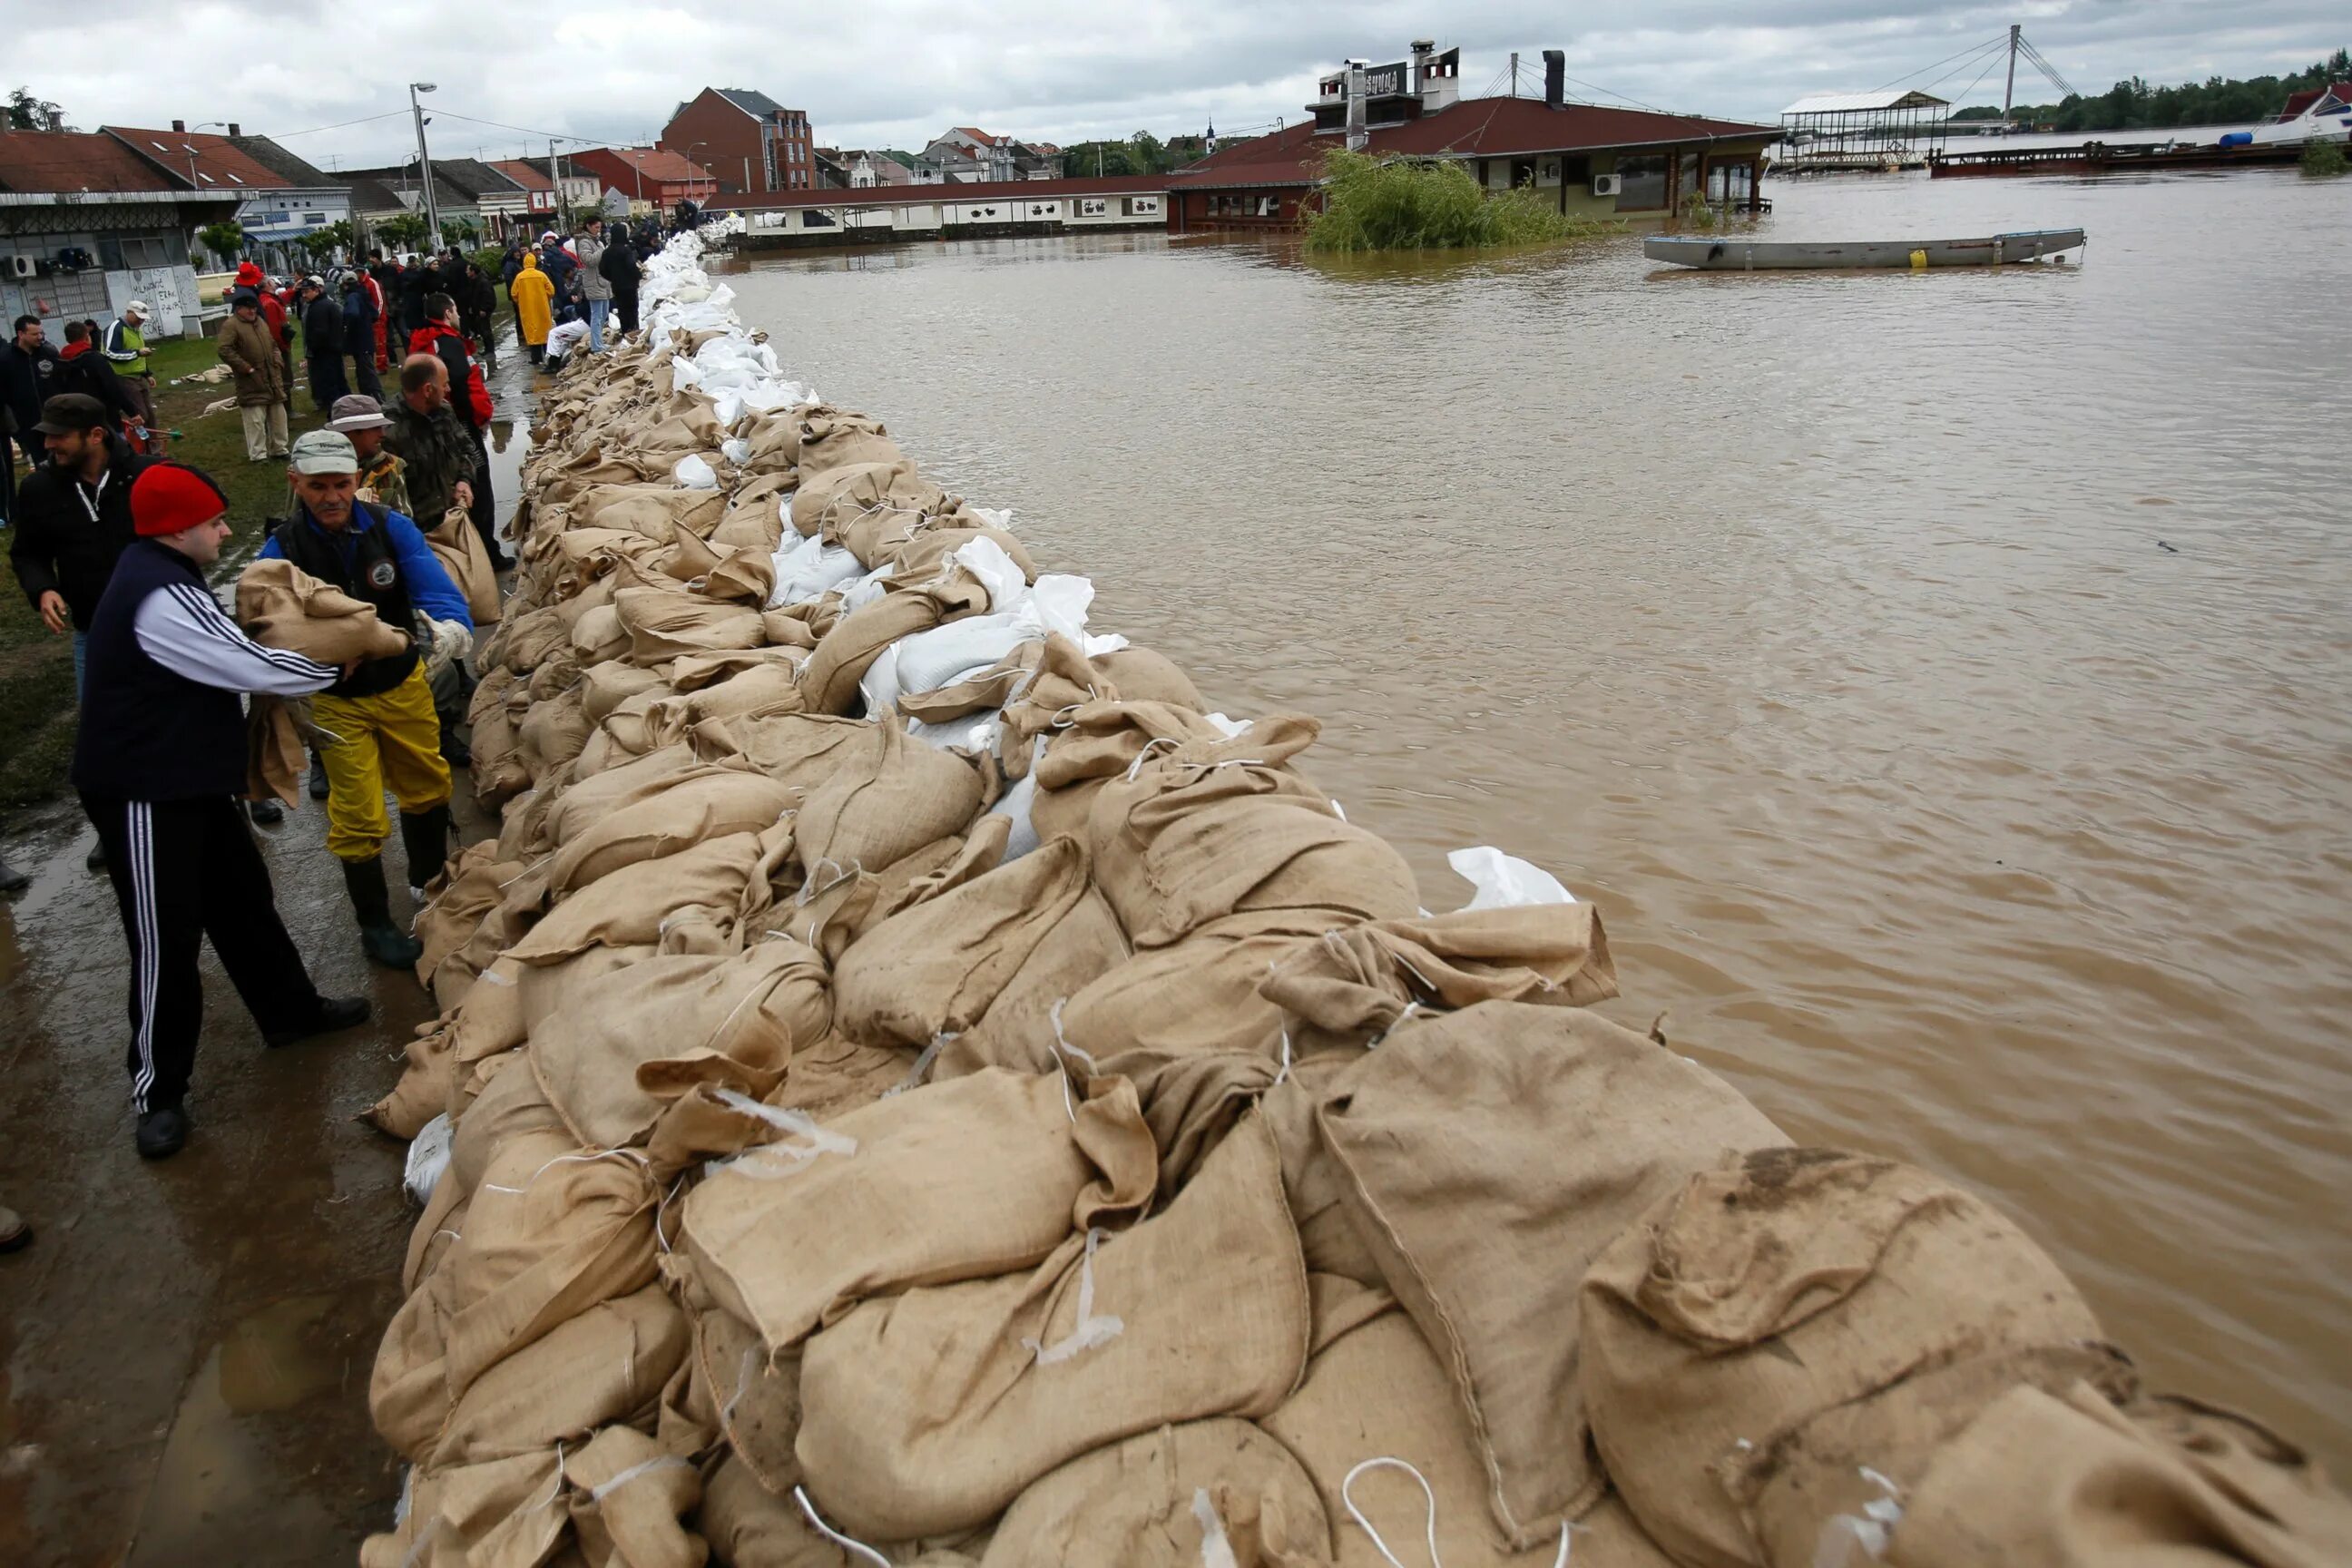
{"points": [[1515, 73], [425, 166], [555, 180], [2009, 93]]}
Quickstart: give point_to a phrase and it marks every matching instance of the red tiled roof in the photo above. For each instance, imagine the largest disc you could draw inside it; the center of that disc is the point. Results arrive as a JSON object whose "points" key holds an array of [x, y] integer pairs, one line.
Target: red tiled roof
{"points": [[531, 176], [982, 191], [1476, 127], [654, 162], [47, 161], [983, 137], [220, 165]]}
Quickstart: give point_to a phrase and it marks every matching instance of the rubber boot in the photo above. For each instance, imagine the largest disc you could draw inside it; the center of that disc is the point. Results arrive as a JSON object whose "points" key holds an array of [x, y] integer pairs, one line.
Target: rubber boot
{"points": [[425, 834], [12, 880], [318, 776], [383, 941]]}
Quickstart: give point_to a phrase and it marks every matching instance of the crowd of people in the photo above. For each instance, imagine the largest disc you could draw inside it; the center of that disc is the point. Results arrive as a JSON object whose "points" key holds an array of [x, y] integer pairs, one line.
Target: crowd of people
{"points": [[111, 541]]}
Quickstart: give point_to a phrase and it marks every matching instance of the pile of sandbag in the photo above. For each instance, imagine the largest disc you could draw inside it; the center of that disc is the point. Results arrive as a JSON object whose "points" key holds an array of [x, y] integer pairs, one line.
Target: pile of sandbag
{"points": [[915, 1085]]}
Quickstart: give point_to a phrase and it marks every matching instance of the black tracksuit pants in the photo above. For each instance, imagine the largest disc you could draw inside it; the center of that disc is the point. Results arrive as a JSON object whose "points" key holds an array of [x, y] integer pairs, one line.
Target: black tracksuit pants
{"points": [[185, 870]]}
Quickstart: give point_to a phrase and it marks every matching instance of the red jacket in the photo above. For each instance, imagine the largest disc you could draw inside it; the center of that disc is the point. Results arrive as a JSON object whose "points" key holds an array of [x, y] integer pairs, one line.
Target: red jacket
{"points": [[273, 310], [474, 407]]}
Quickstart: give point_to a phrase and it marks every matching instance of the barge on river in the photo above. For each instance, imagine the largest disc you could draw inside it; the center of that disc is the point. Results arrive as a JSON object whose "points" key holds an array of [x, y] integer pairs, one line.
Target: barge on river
{"points": [[1781, 256]]}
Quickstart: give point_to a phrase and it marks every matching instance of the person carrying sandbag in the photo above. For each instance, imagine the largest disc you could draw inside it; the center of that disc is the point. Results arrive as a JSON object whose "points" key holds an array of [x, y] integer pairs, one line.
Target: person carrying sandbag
{"points": [[380, 715], [159, 762]]}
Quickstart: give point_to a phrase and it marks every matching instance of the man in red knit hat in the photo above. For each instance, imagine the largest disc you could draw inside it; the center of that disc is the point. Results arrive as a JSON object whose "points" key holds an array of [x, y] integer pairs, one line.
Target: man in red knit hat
{"points": [[160, 762]]}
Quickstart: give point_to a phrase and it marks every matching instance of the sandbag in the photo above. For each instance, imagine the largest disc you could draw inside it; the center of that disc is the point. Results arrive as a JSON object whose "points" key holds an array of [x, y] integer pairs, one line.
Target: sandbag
{"points": [[713, 888], [697, 804], [927, 1412], [1491, 1154], [662, 626], [457, 544], [883, 802], [282, 606], [1779, 1285], [1376, 1392], [603, 1366], [1161, 1499], [628, 1497], [969, 1180], [934, 969]]}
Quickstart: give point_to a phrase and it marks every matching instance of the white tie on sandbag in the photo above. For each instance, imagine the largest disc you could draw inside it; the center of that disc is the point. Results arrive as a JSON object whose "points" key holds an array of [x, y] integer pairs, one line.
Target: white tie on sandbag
{"points": [[1089, 1331], [760, 1162], [816, 1521], [1386, 1462], [1504, 881], [1217, 1548]]}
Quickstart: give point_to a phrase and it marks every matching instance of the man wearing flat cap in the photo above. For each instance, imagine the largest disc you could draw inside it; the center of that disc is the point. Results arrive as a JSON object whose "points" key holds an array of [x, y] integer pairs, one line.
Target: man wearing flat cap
{"points": [[378, 717], [160, 761]]}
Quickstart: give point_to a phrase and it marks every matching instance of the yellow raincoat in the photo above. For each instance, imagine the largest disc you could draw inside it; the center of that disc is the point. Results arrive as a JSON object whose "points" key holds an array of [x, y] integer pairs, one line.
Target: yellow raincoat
{"points": [[534, 301]]}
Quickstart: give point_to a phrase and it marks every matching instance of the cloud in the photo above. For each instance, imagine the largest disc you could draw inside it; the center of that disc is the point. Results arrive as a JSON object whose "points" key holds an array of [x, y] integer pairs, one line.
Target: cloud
{"points": [[896, 73]]}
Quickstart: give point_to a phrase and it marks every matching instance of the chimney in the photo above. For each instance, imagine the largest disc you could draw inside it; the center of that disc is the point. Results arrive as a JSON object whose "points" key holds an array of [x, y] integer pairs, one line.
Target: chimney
{"points": [[1357, 135], [235, 129], [1421, 49], [180, 127], [56, 119], [1555, 78]]}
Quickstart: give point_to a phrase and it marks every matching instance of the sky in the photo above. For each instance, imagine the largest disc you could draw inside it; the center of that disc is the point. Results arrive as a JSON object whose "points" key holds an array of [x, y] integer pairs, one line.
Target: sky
{"points": [[894, 73]]}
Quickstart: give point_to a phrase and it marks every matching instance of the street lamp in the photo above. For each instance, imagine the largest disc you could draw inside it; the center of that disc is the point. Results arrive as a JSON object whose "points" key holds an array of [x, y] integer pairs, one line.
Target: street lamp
{"points": [[425, 162]]}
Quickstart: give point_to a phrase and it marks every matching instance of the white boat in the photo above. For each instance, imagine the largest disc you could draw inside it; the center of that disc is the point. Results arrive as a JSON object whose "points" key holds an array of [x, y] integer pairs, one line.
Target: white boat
{"points": [[1775, 255], [2315, 114]]}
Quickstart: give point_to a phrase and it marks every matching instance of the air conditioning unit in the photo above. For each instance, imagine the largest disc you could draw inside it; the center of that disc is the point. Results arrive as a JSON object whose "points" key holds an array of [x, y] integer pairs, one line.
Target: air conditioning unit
{"points": [[23, 267], [1607, 185]]}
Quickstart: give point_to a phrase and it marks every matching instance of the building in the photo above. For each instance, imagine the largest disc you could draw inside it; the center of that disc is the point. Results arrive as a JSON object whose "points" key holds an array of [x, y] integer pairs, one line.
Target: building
{"points": [[283, 199], [1834, 132], [869, 167], [651, 178], [499, 200], [747, 141], [970, 156], [832, 169], [1595, 160], [548, 196], [881, 213], [87, 225], [460, 209]]}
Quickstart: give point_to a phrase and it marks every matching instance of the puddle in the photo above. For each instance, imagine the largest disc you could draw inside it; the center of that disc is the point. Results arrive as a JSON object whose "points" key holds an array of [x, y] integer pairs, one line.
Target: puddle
{"points": [[221, 1470]]}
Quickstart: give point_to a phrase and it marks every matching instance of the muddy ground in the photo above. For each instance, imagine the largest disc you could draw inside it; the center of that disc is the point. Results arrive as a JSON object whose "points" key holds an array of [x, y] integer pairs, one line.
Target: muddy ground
{"points": [[184, 1349]]}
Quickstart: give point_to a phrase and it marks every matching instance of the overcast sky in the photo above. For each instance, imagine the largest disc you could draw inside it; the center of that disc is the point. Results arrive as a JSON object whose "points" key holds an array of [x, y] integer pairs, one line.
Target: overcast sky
{"points": [[896, 73]]}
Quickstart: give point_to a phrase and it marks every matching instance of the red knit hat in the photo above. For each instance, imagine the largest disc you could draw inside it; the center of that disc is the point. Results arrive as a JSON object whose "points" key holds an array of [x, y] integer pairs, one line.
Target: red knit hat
{"points": [[172, 498]]}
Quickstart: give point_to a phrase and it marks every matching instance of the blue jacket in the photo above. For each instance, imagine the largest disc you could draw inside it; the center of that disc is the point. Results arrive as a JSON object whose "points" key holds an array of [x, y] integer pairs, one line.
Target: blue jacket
{"points": [[429, 588], [358, 322]]}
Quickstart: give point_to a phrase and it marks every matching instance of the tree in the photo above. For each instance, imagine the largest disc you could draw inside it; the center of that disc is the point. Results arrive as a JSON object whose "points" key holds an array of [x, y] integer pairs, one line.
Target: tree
{"points": [[27, 113], [405, 230], [223, 240]]}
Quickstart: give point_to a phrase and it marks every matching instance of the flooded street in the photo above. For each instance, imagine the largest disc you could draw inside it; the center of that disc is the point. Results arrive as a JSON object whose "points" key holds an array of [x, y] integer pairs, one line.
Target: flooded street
{"points": [[1942, 682]]}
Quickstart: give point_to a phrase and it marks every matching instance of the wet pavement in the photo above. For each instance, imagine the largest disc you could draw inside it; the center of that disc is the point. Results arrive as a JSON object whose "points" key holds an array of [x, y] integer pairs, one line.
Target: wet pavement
{"points": [[184, 1349]]}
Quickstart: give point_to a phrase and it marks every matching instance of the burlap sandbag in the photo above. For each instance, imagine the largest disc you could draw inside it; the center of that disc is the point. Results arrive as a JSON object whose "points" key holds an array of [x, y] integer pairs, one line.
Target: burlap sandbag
{"points": [[589, 801], [828, 439], [1314, 1182], [275, 758], [528, 638], [612, 682], [700, 803], [717, 884], [834, 496], [457, 544], [659, 513], [883, 803], [2068, 1480], [1491, 1155], [661, 625], [834, 908], [599, 638], [762, 690], [1017, 1030], [282, 606], [1776, 1287], [605, 1365], [1171, 1498], [802, 749], [934, 968], [623, 1036], [1376, 1392], [549, 738], [926, 1412], [496, 1514], [968, 1180], [749, 1526], [841, 658], [628, 1496]]}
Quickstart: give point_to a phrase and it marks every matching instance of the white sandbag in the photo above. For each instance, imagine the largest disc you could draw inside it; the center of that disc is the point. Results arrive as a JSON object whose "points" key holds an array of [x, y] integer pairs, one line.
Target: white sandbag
{"points": [[1504, 881], [694, 474]]}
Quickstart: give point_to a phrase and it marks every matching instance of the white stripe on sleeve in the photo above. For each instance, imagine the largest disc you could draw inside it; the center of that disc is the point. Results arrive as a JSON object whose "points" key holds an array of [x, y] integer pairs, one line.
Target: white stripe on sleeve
{"points": [[182, 629]]}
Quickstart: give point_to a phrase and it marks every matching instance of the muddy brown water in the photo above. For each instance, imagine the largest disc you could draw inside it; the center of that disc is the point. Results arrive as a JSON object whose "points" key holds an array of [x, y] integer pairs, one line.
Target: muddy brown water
{"points": [[1943, 683]]}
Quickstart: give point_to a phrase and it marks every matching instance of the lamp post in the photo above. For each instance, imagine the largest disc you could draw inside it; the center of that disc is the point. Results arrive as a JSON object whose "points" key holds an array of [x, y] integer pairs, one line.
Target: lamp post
{"points": [[425, 163]]}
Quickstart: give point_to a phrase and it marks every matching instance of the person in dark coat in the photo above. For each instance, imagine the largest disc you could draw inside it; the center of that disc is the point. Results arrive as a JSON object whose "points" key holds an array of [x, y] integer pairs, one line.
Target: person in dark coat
{"points": [[323, 344], [84, 371], [622, 270], [159, 761], [412, 300], [478, 306], [359, 332], [29, 378]]}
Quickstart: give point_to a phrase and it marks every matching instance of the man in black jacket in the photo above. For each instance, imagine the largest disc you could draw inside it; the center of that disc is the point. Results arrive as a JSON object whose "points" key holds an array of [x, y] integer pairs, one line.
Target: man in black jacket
{"points": [[83, 369], [323, 344], [159, 762], [29, 378], [73, 518], [620, 267]]}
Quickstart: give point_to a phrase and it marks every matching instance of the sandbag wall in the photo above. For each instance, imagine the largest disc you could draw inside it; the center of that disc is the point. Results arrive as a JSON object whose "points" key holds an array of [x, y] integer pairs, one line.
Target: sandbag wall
{"points": [[916, 1084]]}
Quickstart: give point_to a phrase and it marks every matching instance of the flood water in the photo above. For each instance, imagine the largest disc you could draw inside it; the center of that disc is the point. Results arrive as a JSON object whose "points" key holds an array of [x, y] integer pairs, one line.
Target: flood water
{"points": [[1943, 683]]}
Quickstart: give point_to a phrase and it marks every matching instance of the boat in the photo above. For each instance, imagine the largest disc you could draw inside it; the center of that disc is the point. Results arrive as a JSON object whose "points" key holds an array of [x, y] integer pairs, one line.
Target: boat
{"points": [[1781, 255], [2315, 114]]}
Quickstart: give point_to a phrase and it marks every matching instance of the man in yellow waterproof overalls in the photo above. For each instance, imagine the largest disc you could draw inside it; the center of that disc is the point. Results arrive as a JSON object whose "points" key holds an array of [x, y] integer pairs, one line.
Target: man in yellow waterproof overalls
{"points": [[379, 720]]}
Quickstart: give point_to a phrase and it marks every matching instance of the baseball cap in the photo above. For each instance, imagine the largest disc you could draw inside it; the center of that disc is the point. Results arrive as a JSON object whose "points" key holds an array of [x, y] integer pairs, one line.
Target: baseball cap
{"points": [[172, 498], [136, 308], [325, 452], [69, 414], [357, 411]]}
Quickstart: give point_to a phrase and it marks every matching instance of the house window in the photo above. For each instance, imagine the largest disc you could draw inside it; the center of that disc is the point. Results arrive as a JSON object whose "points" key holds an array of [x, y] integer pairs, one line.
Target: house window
{"points": [[1092, 206], [1269, 206], [1576, 169], [1643, 184], [1142, 204]]}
